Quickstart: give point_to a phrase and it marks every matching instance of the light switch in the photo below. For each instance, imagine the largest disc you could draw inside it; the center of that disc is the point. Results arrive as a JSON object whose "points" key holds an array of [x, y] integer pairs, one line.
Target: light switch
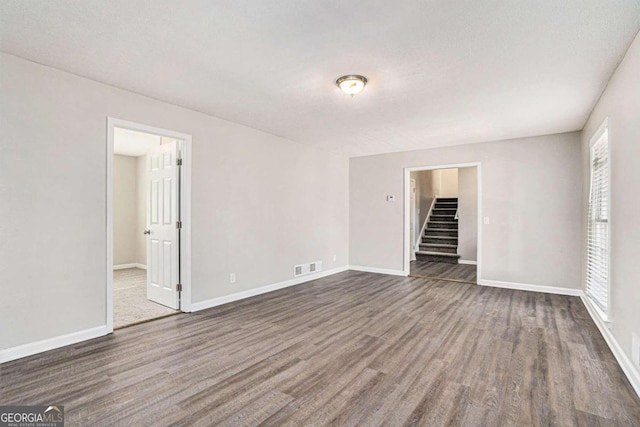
{"points": [[486, 220], [391, 198]]}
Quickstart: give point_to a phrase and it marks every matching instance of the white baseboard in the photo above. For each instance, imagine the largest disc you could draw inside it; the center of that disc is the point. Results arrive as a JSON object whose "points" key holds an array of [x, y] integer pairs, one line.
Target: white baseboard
{"points": [[377, 270], [124, 266], [202, 305], [51, 343], [464, 261], [630, 370], [132, 265], [532, 288]]}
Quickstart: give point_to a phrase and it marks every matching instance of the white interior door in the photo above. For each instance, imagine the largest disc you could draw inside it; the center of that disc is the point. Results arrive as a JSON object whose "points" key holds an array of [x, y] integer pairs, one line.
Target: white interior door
{"points": [[163, 233]]}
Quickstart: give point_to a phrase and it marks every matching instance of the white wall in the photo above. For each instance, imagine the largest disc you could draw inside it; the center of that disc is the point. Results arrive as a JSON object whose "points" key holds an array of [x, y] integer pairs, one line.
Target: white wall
{"points": [[425, 195], [141, 210], [621, 103], [446, 182], [531, 192], [468, 213], [125, 194], [260, 203], [129, 209]]}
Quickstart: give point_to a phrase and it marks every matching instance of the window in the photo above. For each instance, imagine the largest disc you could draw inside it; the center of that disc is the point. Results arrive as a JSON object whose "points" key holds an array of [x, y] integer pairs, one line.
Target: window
{"points": [[598, 221]]}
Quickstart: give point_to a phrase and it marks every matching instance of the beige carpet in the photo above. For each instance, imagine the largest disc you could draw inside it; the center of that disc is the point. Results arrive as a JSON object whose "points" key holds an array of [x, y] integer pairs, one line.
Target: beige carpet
{"points": [[130, 303]]}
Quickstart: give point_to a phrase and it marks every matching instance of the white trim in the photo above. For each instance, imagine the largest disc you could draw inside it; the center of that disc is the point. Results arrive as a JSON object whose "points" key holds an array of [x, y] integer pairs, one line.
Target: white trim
{"points": [[602, 316], [185, 210], [630, 370], [531, 288], [604, 127], [51, 343], [202, 305], [377, 270], [407, 208], [415, 207], [132, 265], [109, 225], [124, 266], [465, 261], [185, 217]]}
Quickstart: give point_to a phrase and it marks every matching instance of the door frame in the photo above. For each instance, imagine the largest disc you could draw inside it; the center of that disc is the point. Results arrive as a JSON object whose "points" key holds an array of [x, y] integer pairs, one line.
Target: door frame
{"points": [[407, 208], [185, 210], [413, 214]]}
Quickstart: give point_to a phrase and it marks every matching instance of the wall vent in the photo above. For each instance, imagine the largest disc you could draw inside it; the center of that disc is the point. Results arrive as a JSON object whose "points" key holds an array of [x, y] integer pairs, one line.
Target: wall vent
{"points": [[308, 268]]}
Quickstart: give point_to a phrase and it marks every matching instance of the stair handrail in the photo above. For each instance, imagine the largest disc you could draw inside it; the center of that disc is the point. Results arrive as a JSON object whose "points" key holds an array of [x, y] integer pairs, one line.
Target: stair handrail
{"points": [[416, 246]]}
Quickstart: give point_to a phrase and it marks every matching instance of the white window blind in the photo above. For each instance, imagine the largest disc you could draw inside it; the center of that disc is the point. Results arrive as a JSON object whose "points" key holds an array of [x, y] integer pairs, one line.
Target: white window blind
{"points": [[598, 226]]}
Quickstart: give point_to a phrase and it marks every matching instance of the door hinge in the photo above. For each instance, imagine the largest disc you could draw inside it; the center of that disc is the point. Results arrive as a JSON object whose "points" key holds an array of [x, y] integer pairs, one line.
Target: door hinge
{"points": [[178, 225], [179, 287], [179, 162]]}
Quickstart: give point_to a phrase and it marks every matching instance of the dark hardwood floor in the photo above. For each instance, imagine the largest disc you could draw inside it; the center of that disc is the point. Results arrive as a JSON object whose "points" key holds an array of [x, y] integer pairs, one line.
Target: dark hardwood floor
{"points": [[351, 349], [443, 270]]}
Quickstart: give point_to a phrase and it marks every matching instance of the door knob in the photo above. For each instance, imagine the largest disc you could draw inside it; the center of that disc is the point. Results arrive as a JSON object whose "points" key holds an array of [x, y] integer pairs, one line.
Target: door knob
{"points": [[147, 232]]}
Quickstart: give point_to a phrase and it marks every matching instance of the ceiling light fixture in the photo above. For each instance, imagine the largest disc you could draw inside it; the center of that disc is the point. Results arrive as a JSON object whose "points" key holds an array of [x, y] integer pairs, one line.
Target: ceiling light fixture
{"points": [[351, 84]]}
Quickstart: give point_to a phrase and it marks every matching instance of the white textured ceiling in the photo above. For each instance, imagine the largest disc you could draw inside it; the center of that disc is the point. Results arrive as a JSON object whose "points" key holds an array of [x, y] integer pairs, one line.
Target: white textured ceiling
{"points": [[131, 143], [440, 72]]}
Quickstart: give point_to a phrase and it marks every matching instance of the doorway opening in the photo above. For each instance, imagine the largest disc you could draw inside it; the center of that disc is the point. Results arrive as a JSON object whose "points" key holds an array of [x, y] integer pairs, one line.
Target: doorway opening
{"points": [[442, 222], [148, 223]]}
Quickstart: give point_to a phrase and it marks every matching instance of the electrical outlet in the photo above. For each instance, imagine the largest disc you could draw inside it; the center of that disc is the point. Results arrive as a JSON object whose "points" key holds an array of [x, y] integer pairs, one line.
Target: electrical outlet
{"points": [[486, 220], [232, 278], [635, 348], [335, 257]]}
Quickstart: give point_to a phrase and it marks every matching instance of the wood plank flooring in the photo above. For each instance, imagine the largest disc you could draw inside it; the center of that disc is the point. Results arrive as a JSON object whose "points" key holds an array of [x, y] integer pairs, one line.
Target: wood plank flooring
{"points": [[352, 349], [443, 270]]}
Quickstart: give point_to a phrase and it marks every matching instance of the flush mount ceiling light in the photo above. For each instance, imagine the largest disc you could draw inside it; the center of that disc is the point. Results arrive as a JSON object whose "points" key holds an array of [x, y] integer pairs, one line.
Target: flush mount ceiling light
{"points": [[351, 84]]}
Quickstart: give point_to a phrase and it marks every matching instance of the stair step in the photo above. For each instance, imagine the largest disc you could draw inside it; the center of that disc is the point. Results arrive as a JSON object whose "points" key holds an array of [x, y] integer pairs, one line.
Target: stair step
{"points": [[444, 211], [443, 224], [437, 257], [442, 218], [438, 254], [439, 245], [447, 199], [440, 239], [441, 232], [436, 247]]}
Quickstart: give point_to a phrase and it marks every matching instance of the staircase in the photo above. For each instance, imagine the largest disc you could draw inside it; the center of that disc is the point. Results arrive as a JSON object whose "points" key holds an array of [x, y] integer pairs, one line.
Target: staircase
{"points": [[440, 240]]}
